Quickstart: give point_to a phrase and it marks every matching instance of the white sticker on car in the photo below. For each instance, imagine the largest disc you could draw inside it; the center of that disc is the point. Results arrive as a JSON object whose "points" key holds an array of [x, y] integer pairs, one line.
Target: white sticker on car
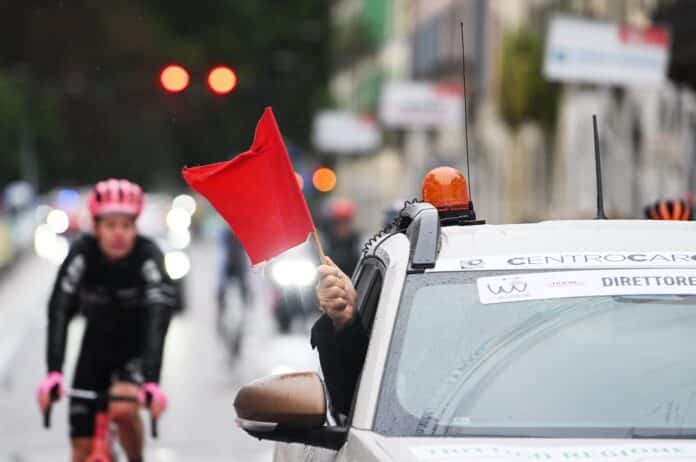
{"points": [[623, 452], [567, 284], [578, 260]]}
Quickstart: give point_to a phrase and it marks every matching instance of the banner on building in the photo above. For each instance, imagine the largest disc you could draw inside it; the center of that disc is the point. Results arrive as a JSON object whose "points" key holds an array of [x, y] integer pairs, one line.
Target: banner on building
{"points": [[422, 105], [587, 51], [343, 132]]}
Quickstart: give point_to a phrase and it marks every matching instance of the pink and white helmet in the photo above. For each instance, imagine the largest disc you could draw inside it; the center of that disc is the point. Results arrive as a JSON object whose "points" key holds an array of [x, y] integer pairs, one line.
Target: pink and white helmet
{"points": [[115, 196]]}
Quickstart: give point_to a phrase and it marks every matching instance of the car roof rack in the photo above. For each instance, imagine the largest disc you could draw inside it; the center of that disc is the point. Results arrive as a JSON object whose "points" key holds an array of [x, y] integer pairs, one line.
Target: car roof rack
{"points": [[421, 222], [459, 218]]}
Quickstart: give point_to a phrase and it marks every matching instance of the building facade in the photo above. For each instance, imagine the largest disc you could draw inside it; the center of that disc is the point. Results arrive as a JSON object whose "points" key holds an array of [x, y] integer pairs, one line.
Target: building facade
{"points": [[526, 171]]}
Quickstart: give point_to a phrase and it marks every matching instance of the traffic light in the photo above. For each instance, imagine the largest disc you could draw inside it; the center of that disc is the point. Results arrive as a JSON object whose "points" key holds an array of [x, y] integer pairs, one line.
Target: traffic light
{"points": [[174, 78], [222, 80]]}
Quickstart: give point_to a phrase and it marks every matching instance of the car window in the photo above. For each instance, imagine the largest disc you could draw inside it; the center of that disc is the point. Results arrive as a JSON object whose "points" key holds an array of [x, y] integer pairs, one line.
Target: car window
{"points": [[606, 366], [369, 287]]}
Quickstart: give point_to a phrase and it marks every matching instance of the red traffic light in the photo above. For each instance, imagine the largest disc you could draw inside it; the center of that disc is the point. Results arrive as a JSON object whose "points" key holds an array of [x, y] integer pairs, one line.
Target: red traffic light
{"points": [[222, 80], [324, 179], [174, 78]]}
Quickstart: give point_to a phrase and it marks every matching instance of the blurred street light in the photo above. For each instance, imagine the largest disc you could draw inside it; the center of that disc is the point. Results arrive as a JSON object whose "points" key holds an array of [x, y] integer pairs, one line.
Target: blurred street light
{"points": [[174, 78], [222, 80], [179, 238], [178, 219], [177, 264], [48, 245], [324, 179], [294, 272], [185, 202], [58, 221]]}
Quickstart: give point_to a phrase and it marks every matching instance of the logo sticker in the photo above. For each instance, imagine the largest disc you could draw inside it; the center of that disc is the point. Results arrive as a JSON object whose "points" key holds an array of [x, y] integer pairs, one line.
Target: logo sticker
{"points": [[508, 287], [588, 283]]}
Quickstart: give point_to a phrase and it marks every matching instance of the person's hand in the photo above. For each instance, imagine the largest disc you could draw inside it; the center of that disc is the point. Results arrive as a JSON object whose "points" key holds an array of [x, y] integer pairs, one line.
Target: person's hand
{"points": [[53, 381], [336, 294], [157, 401]]}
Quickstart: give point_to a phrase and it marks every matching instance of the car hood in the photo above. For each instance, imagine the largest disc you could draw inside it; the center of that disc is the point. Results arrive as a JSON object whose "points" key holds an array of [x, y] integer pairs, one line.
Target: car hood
{"points": [[368, 446]]}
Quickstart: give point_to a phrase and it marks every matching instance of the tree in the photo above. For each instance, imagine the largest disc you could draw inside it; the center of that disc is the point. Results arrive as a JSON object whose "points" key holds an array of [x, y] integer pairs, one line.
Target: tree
{"points": [[524, 93], [90, 70]]}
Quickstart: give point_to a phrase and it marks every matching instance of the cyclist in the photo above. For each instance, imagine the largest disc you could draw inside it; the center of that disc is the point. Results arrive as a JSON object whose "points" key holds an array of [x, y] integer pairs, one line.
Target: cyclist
{"points": [[116, 279], [669, 209], [342, 240], [235, 266]]}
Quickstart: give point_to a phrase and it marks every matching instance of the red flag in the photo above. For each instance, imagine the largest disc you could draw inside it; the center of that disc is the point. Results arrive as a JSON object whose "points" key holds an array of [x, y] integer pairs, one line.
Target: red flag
{"points": [[257, 194]]}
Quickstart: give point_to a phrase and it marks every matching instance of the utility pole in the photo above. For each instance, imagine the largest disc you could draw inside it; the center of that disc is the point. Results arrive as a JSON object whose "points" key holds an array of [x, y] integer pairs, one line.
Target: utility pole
{"points": [[28, 164]]}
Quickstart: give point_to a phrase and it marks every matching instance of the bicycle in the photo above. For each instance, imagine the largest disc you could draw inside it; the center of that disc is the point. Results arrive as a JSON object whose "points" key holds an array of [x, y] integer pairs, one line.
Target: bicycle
{"points": [[103, 440], [233, 307]]}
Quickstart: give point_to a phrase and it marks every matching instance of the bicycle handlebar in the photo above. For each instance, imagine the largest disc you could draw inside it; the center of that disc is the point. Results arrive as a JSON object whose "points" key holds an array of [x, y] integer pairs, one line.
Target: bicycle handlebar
{"points": [[94, 395], [153, 421], [47, 412]]}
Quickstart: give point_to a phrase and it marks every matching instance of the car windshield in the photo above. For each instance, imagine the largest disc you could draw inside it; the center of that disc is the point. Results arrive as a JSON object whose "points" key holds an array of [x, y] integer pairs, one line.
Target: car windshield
{"points": [[588, 366]]}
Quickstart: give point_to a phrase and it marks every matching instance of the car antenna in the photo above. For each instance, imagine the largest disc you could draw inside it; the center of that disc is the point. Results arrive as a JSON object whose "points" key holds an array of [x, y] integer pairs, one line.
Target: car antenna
{"points": [[598, 166], [466, 123]]}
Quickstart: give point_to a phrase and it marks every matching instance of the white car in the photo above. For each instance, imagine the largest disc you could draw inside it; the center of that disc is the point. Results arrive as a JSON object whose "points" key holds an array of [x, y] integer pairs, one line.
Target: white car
{"points": [[555, 341]]}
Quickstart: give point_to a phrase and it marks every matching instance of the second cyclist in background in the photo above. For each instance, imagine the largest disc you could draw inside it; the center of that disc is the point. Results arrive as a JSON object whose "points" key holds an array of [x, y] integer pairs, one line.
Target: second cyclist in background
{"points": [[341, 239], [669, 209], [233, 292]]}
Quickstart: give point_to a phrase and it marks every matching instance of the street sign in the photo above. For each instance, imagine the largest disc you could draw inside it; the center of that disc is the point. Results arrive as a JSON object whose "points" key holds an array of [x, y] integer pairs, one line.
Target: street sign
{"points": [[343, 132], [420, 105], [582, 50]]}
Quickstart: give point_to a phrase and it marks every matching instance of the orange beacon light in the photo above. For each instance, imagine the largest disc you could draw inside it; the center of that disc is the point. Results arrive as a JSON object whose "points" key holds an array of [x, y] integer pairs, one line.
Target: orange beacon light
{"points": [[446, 189]]}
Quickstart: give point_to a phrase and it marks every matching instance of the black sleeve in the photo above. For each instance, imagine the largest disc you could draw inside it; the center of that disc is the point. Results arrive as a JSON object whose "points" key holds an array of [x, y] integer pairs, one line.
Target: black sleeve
{"points": [[341, 354], [159, 302], [63, 305]]}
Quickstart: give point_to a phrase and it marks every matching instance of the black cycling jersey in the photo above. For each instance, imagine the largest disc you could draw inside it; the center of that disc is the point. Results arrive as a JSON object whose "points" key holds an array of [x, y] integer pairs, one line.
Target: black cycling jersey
{"points": [[127, 305], [235, 260]]}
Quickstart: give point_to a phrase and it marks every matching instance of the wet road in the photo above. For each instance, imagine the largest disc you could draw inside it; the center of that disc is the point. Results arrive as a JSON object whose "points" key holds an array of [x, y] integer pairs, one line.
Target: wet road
{"points": [[198, 375]]}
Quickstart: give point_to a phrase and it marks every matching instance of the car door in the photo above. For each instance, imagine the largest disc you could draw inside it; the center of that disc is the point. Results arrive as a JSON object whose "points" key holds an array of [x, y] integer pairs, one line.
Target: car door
{"points": [[368, 286]]}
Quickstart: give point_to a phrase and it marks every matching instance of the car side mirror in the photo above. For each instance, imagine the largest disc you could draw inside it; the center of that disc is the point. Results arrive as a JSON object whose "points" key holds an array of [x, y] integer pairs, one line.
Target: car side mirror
{"points": [[289, 408]]}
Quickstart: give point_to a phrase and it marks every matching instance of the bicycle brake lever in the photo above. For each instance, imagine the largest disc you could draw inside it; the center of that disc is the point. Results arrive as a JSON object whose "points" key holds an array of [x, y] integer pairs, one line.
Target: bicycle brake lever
{"points": [[47, 417], [153, 420], [47, 413], [153, 427]]}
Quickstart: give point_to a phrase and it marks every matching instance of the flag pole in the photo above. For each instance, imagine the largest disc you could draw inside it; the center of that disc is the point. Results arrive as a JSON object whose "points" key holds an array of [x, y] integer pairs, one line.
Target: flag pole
{"points": [[322, 255]]}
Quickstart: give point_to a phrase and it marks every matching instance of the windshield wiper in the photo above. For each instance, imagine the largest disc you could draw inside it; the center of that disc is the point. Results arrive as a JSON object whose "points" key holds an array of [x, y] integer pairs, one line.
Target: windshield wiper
{"points": [[656, 299], [654, 434]]}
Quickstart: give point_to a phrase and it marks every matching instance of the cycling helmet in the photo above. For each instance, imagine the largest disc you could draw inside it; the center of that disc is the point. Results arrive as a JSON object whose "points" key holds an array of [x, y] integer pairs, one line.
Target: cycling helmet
{"points": [[342, 209], [670, 209], [115, 196]]}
